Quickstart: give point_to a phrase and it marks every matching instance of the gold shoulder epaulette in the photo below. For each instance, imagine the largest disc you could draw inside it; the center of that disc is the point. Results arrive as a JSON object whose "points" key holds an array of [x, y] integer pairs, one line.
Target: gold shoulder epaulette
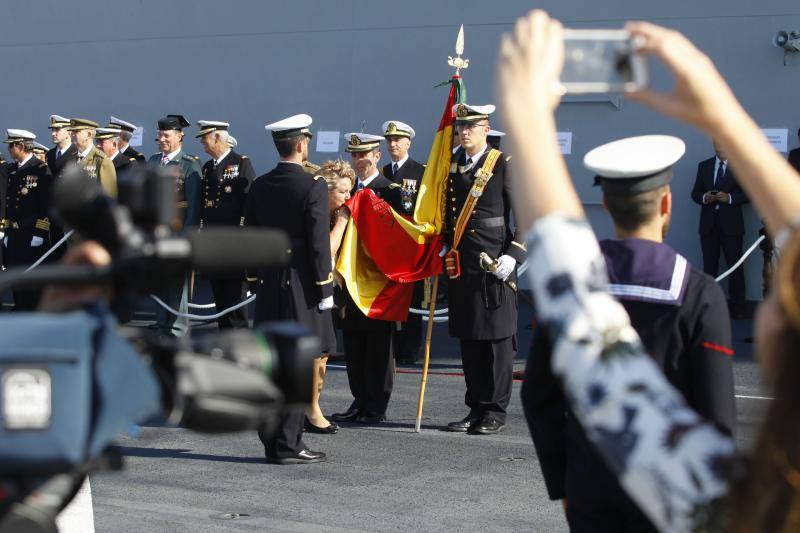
{"points": [[244, 157], [394, 185], [508, 158]]}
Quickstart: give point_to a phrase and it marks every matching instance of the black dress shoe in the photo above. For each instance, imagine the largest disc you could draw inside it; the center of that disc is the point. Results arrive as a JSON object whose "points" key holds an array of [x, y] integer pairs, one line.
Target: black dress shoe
{"points": [[348, 416], [300, 458], [308, 427], [464, 424], [370, 419], [487, 426]]}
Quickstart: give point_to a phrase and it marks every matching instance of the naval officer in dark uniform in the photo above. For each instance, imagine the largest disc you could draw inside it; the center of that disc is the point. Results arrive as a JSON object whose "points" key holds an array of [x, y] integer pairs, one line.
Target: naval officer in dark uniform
{"points": [[64, 151], [407, 173], [226, 180], [125, 136], [26, 225], [185, 170], [108, 143], [290, 199], [483, 308], [367, 342], [678, 311]]}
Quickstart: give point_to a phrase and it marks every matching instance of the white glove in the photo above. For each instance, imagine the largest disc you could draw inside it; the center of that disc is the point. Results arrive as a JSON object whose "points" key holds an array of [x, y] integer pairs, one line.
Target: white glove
{"points": [[2, 235], [36, 241], [505, 266], [444, 250], [326, 303], [5, 241]]}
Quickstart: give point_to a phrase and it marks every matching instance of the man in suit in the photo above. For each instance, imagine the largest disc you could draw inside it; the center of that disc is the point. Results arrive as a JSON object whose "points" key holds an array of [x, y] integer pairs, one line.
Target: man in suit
{"points": [[290, 199], [126, 130], [108, 143], [407, 173], [97, 165], [64, 151], [226, 180], [185, 170], [721, 222], [367, 342], [26, 225], [794, 155], [483, 308]]}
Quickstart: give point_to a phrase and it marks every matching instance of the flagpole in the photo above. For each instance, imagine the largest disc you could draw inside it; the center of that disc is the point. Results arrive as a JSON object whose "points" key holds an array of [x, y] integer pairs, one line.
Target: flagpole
{"points": [[427, 359]]}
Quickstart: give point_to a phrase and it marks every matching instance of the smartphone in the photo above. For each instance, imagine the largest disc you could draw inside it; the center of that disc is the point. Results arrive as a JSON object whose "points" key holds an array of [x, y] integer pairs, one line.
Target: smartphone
{"points": [[602, 61]]}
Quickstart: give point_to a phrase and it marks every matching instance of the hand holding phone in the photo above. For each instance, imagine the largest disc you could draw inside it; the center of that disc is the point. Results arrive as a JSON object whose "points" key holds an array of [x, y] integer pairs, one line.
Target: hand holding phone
{"points": [[602, 61]]}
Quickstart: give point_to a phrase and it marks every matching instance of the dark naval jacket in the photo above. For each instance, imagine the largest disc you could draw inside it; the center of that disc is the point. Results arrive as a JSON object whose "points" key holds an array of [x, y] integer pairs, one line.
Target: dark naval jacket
{"points": [[681, 316], [132, 153], [57, 165], [27, 208], [186, 171], [408, 177], [290, 199], [482, 307]]}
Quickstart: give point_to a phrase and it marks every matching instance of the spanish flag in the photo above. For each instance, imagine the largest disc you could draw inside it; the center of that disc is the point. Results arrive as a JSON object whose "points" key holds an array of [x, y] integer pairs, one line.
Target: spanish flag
{"points": [[382, 252]]}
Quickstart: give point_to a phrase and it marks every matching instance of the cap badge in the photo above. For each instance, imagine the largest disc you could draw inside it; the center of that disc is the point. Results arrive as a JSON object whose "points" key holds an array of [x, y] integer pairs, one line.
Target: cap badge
{"points": [[354, 140], [391, 128], [462, 111]]}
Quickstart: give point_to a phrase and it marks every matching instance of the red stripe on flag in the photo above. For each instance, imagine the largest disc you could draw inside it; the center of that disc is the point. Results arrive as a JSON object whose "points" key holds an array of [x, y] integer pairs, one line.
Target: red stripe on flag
{"points": [[718, 348]]}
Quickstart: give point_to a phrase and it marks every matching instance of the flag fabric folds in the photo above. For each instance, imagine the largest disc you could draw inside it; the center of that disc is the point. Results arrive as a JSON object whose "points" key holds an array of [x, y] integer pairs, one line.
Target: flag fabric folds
{"points": [[382, 252]]}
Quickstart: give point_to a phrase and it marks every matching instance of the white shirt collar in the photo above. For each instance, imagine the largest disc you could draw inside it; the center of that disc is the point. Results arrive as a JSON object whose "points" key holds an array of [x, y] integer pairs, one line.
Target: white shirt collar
{"points": [[63, 150], [171, 155], [123, 148], [366, 181], [86, 152], [475, 158], [25, 161], [223, 156], [400, 163], [115, 155]]}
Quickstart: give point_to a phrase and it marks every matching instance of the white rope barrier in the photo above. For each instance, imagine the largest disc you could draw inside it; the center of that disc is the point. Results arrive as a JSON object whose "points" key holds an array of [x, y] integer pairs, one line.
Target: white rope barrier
{"points": [[202, 317], [738, 263], [202, 306], [50, 251]]}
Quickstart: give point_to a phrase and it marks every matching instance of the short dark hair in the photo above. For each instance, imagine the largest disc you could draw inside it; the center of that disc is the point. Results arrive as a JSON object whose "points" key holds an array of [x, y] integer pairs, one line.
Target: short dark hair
{"points": [[632, 212], [286, 146]]}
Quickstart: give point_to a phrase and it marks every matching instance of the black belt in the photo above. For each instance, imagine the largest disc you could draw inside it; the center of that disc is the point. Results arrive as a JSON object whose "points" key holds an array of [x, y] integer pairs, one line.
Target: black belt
{"points": [[494, 222]]}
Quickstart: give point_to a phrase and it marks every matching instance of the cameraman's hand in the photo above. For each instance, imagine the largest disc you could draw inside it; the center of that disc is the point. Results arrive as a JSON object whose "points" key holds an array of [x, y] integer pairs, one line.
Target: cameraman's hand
{"points": [[700, 96], [58, 299]]}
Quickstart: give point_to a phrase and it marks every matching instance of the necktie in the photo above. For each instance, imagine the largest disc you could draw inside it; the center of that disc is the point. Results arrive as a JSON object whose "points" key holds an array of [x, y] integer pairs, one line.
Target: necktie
{"points": [[58, 153], [164, 159], [395, 168], [360, 186], [720, 173], [80, 158]]}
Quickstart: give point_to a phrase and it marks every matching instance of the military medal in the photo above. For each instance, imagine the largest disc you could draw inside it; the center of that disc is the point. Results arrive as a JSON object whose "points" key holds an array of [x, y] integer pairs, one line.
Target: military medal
{"points": [[24, 190], [407, 192], [228, 188]]}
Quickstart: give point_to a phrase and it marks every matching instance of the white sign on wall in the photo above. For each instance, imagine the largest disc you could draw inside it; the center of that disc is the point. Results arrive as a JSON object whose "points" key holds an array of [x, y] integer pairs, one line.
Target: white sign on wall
{"points": [[328, 141], [136, 138], [565, 142], [778, 138]]}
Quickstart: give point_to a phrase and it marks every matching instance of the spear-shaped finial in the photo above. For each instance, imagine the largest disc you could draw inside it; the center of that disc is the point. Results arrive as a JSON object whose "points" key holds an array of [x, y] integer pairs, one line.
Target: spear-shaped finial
{"points": [[458, 62]]}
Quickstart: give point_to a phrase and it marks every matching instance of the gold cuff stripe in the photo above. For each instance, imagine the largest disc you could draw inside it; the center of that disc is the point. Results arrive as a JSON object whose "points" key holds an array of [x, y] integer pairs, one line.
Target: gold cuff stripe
{"points": [[43, 224], [329, 280], [252, 279], [182, 204]]}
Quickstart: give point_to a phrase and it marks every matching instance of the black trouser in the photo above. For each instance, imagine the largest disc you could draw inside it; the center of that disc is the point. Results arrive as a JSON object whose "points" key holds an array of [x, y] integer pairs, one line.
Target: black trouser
{"points": [[408, 340], [488, 371], [370, 368], [731, 246], [174, 293], [288, 438], [227, 293]]}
